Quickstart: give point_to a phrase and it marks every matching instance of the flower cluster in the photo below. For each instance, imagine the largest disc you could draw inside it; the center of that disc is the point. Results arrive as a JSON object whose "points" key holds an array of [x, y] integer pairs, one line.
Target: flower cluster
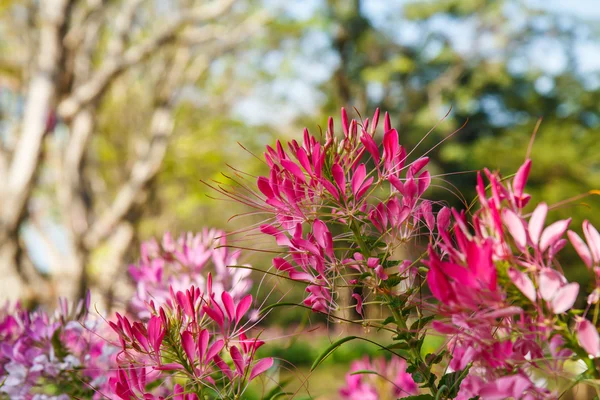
{"points": [[192, 339], [179, 264], [343, 212], [506, 304], [316, 189], [378, 380], [342, 209], [58, 356]]}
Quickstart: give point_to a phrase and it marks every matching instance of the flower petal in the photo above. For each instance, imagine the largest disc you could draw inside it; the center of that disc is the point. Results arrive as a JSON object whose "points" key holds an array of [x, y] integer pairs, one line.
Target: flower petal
{"points": [[550, 281], [515, 227], [593, 238], [552, 233], [260, 367], [565, 298], [523, 283], [581, 248], [588, 338], [536, 222]]}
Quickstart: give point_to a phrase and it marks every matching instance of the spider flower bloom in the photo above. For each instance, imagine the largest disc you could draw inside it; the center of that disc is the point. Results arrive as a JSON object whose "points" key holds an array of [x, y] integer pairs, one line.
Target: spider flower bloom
{"points": [[379, 380], [499, 293], [181, 263], [65, 347], [187, 340], [314, 189]]}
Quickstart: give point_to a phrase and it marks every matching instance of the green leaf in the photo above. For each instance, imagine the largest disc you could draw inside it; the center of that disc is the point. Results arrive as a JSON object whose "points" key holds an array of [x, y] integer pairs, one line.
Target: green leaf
{"points": [[277, 391], [419, 397], [433, 358], [393, 281], [418, 377], [330, 350], [421, 322], [59, 348], [452, 382], [364, 372], [399, 345]]}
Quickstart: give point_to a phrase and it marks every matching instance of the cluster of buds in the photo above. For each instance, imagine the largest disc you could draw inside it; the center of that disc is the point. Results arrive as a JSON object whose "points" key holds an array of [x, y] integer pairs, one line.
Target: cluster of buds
{"points": [[192, 347]]}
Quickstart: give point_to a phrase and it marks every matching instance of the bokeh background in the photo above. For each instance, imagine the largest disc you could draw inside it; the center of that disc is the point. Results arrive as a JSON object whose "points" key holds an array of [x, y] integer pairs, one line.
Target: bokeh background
{"points": [[112, 112]]}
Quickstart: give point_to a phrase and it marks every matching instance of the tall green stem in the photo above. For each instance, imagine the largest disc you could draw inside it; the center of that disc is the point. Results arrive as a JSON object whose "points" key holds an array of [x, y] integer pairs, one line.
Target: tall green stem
{"points": [[401, 326]]}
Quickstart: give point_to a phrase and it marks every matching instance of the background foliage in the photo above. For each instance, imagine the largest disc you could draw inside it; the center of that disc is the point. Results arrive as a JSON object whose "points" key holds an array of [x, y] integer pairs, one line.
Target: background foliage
{"points": [[487, 70]]}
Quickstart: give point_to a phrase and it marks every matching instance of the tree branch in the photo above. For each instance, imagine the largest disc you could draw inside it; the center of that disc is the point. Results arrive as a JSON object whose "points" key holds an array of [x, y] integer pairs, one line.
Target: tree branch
{"points": [[119, 62], [42, 90]]}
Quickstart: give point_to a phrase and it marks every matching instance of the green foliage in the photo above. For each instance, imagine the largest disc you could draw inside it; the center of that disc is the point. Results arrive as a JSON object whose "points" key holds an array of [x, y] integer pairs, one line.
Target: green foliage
{"points": [[450, 383], [329, 350], [420, 397]]}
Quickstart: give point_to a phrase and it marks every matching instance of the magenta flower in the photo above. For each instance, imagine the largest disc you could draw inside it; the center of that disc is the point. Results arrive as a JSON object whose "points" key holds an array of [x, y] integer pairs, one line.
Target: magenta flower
{"points": [[66, 348], [185, 262], [186, 338], [588, 338], [499, 292], [379, 379], [315, 189]]}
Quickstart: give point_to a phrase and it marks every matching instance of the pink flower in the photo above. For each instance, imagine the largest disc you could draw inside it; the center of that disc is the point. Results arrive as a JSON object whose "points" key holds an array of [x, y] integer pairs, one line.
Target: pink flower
{"points": [[181, 263], [188, 335], [385, 379], [556, 291], [588, 338]]}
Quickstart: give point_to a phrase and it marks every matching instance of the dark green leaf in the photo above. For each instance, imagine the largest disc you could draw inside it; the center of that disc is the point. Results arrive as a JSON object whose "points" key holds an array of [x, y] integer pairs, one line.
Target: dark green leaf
{"points": [[421, 322], [452, 382], [418, 377], [327, 352]]}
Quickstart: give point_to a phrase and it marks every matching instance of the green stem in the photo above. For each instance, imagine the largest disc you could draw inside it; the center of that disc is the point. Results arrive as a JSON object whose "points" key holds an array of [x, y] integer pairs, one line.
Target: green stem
{"points": [[359, 239], [416, 360], [401, 326]]}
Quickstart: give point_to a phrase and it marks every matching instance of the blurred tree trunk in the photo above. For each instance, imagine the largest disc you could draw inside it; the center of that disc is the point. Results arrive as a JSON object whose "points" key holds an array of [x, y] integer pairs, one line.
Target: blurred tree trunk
{"points": [[23, 168], [84, 49]]}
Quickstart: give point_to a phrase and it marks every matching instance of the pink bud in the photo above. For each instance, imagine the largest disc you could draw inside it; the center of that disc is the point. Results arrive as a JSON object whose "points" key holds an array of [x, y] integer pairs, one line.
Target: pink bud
{"points": [[521, 178], [387, 123], [345, 124], [375, 121]]}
